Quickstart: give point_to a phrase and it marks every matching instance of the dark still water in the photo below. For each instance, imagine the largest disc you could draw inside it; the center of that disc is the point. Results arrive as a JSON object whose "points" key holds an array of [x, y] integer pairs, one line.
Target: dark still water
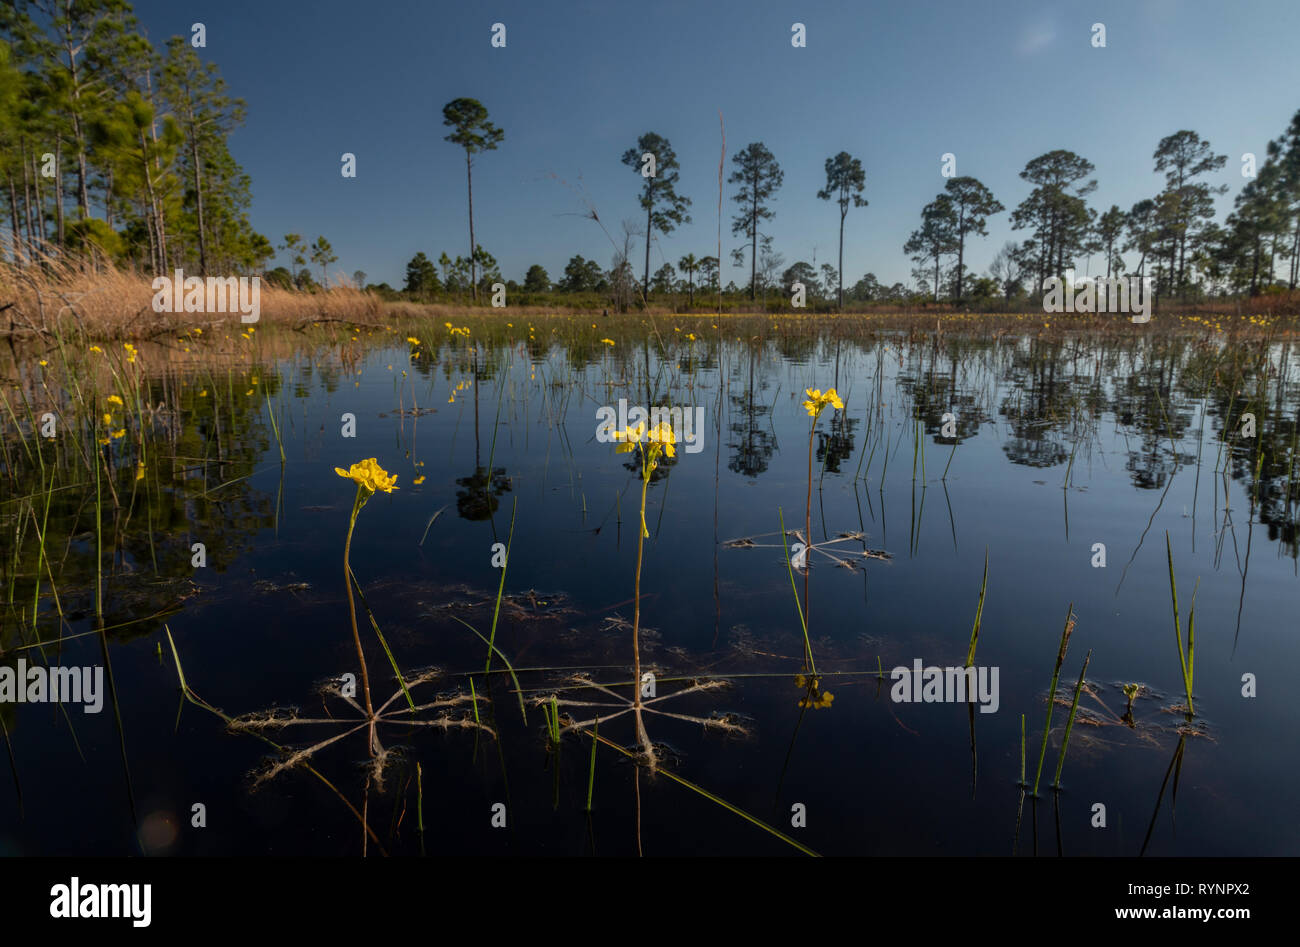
{"points": [[1065, 462]]}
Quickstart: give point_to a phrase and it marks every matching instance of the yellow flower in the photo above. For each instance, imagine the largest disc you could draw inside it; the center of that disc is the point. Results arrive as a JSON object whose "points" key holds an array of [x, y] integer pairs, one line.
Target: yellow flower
{"points": [[43, 363], [655, 440], [413, 340], [203, 393], [608, 341], [817, 401], [120, 432], [96, 348], [370, 475], [108, 419], [114, 399], [418, 480], [816, 697]]}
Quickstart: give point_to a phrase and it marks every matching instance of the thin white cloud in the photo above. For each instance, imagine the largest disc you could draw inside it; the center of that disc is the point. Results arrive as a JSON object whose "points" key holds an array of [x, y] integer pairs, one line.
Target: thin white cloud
{"points": [[1035, 38]]}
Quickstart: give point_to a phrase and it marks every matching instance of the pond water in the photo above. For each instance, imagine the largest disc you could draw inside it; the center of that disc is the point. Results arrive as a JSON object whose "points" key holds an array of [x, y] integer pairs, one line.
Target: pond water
{"points": [[947, 451]]}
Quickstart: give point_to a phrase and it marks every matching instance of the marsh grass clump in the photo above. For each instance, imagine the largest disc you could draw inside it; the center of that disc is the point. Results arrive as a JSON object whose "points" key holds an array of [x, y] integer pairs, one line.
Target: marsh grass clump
{"points": [[1066, 632]]}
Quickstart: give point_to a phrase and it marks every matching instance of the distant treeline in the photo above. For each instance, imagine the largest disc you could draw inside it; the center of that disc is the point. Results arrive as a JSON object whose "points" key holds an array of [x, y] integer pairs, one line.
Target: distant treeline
{"points": [[112, 150], [1173, 234]]}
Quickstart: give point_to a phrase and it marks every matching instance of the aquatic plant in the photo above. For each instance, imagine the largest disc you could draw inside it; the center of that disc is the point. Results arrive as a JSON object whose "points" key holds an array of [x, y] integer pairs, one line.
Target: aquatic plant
{"points": [[369, 478], [649, 443], [1051, 695], [1131, 692]]}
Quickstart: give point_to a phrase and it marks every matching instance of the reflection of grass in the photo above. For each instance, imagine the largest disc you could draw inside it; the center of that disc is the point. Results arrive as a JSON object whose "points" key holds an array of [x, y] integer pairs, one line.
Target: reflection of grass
{"points": [[979, 613]]}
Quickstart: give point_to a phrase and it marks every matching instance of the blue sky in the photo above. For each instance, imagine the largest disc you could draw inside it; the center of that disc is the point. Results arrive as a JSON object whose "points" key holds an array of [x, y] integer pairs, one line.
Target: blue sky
{"points": [[895, 84]]}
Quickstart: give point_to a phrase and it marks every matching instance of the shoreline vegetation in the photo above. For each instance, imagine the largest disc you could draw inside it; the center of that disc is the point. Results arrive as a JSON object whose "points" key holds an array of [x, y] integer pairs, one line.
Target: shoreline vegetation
{"points": [[59, 302]]}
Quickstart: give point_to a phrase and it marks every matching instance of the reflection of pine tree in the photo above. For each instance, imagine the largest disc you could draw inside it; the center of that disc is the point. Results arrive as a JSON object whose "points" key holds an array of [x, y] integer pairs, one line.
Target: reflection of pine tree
{"points": [[837, 444], [477, 498], [756, 442]]}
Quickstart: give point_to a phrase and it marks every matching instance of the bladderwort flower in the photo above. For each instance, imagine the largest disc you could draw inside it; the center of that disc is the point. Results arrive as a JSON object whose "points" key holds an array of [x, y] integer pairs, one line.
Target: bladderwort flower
{"points": [[817, 401], [815, 696], [370, 478]]}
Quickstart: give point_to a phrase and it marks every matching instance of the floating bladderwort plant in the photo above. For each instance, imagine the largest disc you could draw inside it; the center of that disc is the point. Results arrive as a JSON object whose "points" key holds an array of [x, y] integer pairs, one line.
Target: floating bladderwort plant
{"points": [[1185, 659], [650, 444], [369, 478], [1130, 691]]}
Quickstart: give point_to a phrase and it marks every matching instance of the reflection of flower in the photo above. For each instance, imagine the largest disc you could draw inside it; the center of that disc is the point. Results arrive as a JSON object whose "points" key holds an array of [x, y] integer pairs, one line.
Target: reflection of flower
{"points": [[369, 475], [817, 401]]}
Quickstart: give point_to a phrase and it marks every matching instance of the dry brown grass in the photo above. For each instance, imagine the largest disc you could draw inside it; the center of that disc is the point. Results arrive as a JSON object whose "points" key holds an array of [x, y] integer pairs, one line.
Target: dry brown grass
{"points": [[62, 298]]}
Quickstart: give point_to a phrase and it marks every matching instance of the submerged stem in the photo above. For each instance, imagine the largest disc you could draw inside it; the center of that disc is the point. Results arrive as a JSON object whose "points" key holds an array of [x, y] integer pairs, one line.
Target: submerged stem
{"points": [[643, 740], [352, 613]]}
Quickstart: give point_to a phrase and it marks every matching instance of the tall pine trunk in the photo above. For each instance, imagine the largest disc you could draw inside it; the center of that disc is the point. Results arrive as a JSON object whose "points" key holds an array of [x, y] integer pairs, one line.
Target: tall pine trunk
{"points": [[58, 191], [753, 247], [840, 302], [649, 225], [469, 180], [13, 216], [198, 198]]}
